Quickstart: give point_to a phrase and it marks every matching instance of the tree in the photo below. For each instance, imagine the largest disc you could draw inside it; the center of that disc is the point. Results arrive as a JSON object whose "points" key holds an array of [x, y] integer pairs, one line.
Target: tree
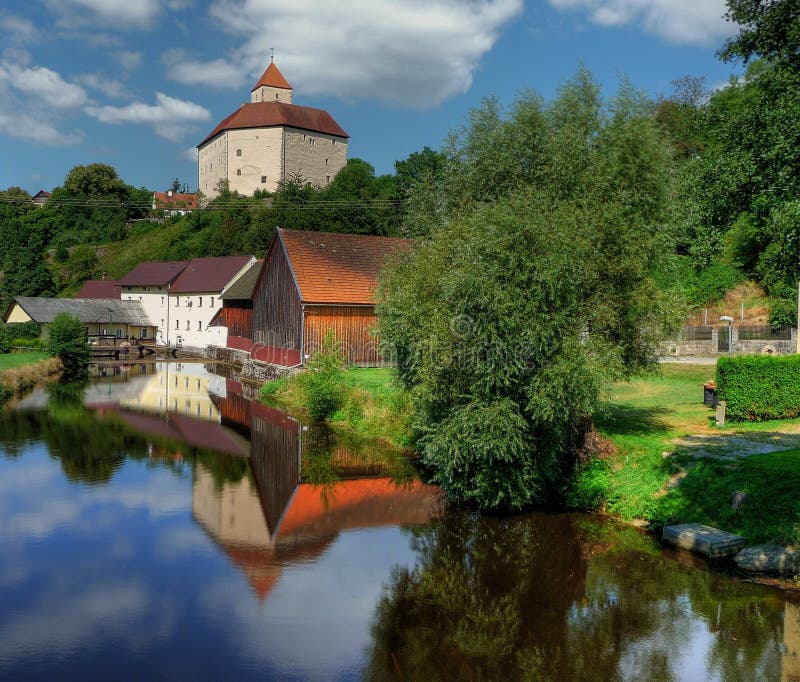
{"points": [[768, 29], [510, 318], [66, 339], [175, 186]]}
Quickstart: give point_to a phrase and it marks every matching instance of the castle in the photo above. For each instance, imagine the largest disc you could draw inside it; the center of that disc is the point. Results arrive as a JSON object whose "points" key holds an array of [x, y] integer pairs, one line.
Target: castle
{"points": [[269, 140]]}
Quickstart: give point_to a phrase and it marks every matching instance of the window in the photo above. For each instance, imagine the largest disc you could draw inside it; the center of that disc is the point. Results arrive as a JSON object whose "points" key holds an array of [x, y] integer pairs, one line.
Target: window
{"points": [[276, 95], [177, 324], [144, 332], [212, 301], [238, 152], [199, 326], [162, 322], [162, 300], [326, 162], [327, 179], [177, 301], [119, 333], [187, 325], [238, 171], [263, 179], [200, 301]]}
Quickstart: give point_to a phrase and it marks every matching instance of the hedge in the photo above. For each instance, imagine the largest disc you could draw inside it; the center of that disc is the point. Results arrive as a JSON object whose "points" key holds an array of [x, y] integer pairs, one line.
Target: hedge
{"points": [[759, 387]]}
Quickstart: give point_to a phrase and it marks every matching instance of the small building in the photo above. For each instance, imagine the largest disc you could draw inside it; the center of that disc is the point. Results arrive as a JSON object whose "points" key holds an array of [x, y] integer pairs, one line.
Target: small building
{"points": [[182, 297], [269, 140], [99, 288], [171, 203], [313, 282], [41, 197], [236, 314], [104, 319]]}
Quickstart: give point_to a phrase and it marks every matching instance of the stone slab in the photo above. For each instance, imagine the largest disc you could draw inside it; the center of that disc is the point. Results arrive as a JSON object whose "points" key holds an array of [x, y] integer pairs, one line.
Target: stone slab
{"points": [[710, 542]]}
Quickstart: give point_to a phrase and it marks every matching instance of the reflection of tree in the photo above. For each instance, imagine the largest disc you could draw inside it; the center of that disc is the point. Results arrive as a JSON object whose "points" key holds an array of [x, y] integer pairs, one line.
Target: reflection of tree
{"points": [[557, 597]]}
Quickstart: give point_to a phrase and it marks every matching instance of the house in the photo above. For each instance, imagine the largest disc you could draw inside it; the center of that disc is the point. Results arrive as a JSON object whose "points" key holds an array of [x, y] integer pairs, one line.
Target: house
{"points": [[270, 139], [125, 320], [41, 197], [313, 282], [99, 288], [174, 203], [236, 313], [182, 297]]}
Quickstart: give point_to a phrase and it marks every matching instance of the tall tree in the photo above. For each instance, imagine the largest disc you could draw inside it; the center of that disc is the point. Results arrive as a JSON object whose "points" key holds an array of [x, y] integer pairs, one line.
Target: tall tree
{"points": [[769, 29]]}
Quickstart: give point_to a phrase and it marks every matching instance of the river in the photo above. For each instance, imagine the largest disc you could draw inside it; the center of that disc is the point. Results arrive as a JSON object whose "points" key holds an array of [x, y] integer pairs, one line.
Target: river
{"points": [[157, 523]]}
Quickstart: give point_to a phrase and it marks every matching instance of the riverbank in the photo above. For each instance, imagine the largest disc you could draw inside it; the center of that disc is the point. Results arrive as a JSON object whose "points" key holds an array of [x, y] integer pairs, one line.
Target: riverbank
{"points": [[20, 372]]}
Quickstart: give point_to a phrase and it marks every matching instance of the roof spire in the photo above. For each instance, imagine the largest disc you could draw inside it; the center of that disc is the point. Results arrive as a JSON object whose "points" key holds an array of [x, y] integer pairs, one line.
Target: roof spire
{"points": [[272, 55]]}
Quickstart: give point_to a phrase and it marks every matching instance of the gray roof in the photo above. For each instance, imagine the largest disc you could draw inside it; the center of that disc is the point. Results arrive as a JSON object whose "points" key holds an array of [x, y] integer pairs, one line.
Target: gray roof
{"points": [[243, 287], [89, 310]]}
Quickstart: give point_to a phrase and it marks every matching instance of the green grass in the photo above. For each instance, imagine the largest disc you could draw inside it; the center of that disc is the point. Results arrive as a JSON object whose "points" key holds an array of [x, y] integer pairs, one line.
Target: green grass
{"points": [[771, 511], [373, 405], [645, 416], [13, 360]]}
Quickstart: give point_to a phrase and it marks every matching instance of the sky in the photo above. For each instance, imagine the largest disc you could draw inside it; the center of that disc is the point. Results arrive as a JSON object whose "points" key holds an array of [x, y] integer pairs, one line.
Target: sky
{"points": [[139, 83]]}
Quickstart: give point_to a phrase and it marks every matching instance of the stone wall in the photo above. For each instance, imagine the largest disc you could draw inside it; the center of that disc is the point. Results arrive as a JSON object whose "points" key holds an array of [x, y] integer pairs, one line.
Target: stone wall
{"points": [[212, 165], [710, 348], [316, 156]]}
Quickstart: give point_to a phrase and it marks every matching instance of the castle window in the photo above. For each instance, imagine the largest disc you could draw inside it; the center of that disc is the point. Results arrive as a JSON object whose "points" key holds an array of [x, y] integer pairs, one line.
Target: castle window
{"points": [[200, 301], [187, 329], [263, 179], [327, 179], [326, 162], [238, 152], [238, 171], [177, 326], [276, 95], [199, 326]]}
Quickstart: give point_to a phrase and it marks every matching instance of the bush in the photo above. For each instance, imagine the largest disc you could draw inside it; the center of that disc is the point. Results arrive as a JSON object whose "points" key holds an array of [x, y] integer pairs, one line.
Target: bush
{"points": [[714, 282], [24, 330], [322, 382], [782, 312], [67, 340], [589, 488], [5, 340], [481, 454], [757, 388]]}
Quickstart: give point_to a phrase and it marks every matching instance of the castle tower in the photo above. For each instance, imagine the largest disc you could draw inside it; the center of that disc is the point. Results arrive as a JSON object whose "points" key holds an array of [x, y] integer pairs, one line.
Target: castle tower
{"points": [[271, 87], [269, 139]]}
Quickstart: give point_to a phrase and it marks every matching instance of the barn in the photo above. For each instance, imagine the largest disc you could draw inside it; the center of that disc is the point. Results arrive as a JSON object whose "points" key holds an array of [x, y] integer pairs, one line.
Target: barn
{"points": [[313, 282]]}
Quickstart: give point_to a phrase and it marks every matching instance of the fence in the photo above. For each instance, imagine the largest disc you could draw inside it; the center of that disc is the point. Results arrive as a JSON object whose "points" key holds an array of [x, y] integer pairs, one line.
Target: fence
{"points": [[714, 340]]}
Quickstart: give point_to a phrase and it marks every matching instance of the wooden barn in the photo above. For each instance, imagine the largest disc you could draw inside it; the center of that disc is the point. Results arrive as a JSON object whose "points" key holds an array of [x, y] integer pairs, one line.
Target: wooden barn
{"points": [[315, 281]]}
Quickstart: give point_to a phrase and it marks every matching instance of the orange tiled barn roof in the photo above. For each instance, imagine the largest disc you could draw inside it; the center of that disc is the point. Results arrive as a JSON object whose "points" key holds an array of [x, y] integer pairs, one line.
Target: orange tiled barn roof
{"points": [[337, 268]]}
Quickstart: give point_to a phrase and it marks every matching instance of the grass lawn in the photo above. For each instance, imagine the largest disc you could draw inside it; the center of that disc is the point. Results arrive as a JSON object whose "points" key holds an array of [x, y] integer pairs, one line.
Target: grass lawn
{"points": [[13, 360], [646, 415]]}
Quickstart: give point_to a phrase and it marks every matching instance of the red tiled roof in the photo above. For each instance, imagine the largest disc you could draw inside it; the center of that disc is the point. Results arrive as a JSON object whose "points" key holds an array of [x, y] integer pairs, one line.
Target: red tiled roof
{"points": [[337, 268], [175, 200], [208, 274], [153, 273], [99, 288], [272, 78], [269, 114]]}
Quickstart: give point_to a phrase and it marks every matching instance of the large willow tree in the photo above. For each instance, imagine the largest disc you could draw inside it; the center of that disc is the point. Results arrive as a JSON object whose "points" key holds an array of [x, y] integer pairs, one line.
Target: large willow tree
{"points": [[529, 287]]}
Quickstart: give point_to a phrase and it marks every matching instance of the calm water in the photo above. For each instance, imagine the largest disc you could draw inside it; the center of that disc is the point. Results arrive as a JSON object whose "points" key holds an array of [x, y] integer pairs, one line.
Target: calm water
{"points": [[158, 524]]}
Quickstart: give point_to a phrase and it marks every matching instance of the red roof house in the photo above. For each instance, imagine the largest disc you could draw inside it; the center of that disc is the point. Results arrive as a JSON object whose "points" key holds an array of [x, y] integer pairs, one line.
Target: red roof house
{"points": [[174, 203], [313, 282], [99, 288]]}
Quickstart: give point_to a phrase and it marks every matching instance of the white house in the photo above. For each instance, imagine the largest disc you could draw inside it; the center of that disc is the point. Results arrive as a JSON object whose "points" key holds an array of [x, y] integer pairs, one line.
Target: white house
{"points": [[181, 297]]}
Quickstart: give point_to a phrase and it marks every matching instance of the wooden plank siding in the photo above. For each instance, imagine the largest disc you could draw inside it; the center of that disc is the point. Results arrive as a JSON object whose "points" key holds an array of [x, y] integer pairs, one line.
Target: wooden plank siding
{"points": [[353, 326], [238, 320], [277, 311]]}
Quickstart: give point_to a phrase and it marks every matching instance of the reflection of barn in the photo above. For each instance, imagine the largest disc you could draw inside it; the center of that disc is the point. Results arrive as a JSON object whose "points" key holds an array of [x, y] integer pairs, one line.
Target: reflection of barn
{"points": [[273, 517]]}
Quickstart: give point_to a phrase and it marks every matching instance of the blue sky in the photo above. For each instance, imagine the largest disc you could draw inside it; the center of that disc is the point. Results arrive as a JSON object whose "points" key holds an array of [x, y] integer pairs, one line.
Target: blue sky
{"points": [[138, 83]]}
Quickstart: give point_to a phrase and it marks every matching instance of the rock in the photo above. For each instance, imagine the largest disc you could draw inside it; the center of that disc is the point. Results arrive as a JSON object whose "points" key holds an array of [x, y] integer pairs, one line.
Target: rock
{"points": [[770, 559], [737, 500]]}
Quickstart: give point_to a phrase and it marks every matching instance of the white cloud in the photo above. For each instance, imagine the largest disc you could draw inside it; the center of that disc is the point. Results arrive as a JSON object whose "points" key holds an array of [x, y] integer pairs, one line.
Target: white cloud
{"points": [[169, 116], [130, 59], [102, 84], [119, 13], [413, 52], [217, 73], [190, 154], [18, 29], [42, 83], [694, 22]]}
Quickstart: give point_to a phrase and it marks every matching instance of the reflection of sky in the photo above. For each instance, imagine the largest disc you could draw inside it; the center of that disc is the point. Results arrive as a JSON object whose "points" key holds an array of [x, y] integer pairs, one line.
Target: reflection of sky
{"points": [[94, 579]]}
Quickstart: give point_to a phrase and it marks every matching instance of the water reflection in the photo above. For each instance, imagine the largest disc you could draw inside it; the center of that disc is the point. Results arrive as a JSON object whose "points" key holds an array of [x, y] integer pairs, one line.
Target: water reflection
{"points": [[142, 534]]}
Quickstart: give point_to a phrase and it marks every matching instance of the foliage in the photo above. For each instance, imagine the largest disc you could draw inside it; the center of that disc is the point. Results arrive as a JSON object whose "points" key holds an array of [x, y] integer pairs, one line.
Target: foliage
{"points": [[5, 340], [321, 382], [766, 29], [526, 304], [783, 308], [759, 387], [713, 282], [66, 339]]}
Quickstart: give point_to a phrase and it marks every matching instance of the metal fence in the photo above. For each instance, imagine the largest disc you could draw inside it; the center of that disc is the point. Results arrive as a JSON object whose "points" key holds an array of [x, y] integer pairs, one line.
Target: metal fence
{"points": [[763, 333], [696, 334]]}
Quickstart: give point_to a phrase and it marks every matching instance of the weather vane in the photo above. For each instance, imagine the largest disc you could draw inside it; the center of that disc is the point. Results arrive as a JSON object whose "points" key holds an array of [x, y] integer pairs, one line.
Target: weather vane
{"points": [[271, 55]]}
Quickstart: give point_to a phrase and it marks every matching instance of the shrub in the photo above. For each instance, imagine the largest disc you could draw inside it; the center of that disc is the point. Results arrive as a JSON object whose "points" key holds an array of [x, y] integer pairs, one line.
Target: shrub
{"points": [[67, 340], [714, 282], [589, 488], [25, 330], [5, 340], [322, 381], [758, 387], [783, 312]]}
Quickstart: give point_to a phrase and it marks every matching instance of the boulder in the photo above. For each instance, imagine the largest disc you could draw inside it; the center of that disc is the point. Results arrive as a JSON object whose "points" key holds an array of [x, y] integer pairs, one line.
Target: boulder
{"points": [[769, 559]]}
